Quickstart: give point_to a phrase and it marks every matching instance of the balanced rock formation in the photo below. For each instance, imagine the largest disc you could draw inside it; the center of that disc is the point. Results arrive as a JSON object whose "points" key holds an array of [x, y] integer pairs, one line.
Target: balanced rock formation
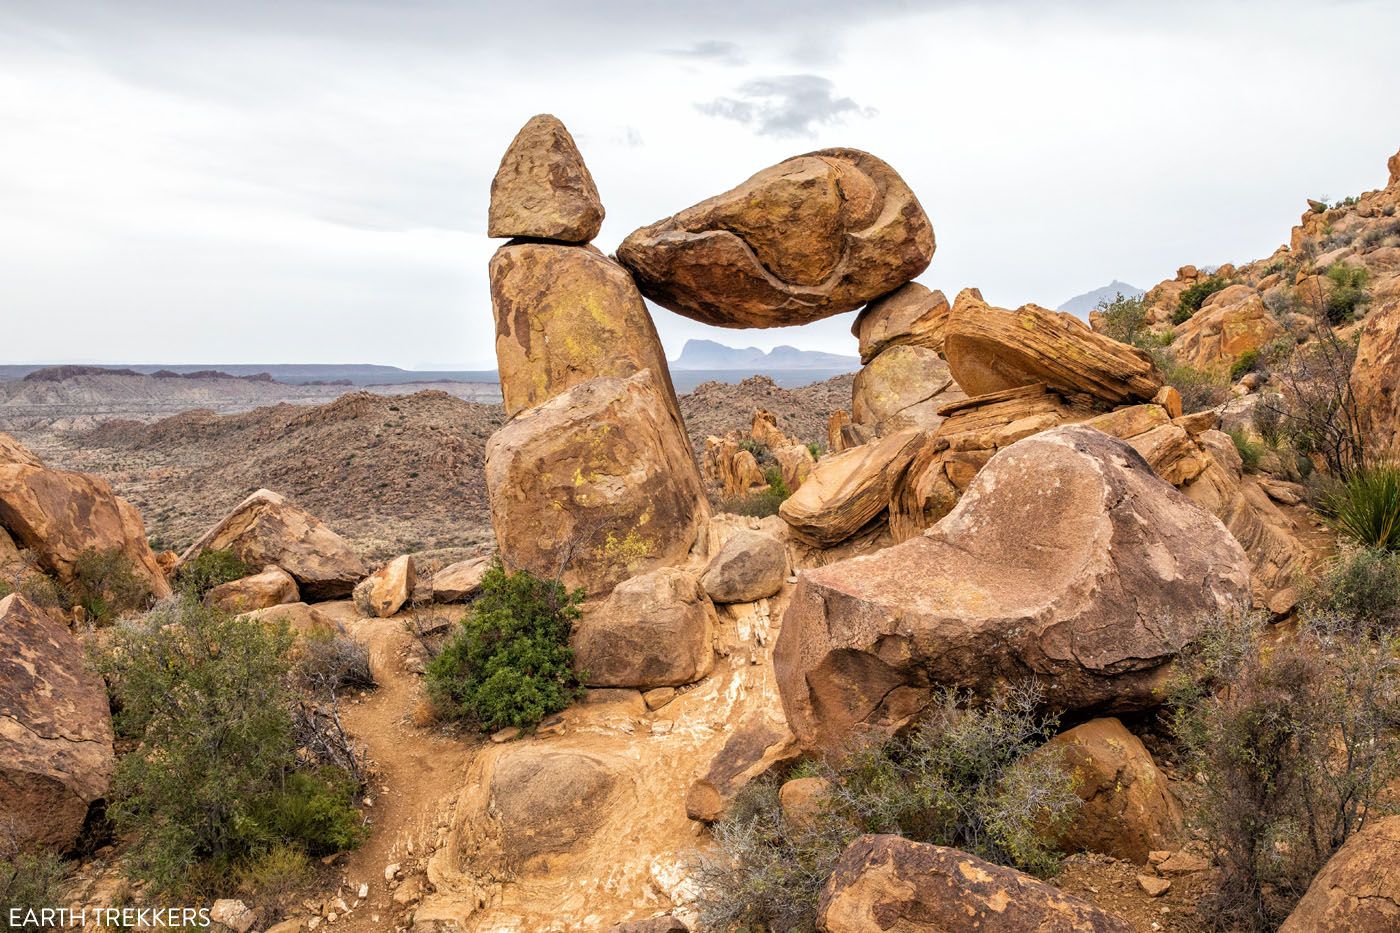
{"points": [[58, 515], [750, 566], [903, 387], [812, 236], [992, 349], [273, 586], [543, 189], [384, 592], [266, 528], [847, 491], [55, 729], [911, 315], [598, 483], [1066, 560], [891, 883], [1127, 810], [564, 315], [654, 630], [1358, 890], [461, 581]]}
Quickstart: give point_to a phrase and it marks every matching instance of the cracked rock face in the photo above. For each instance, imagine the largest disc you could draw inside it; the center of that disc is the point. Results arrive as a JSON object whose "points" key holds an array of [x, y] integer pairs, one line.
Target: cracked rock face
{"points": [[55, 729], [1358, 890], [543, 188], [807, 238], [1066, 560]]}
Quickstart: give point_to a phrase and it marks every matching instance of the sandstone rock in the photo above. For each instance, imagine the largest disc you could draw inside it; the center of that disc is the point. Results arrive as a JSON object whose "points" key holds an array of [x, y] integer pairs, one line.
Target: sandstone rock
{"points": [[1231, 324], [802, 798], [266, 528], [232, 915], [835, 421], [1358, 890], [911, 315], [304, 621], [849, 490], [384, 592], [564, 315], [1393, 163], [55, 729], [795, 463], [756, 745], [599, 482], [992, 349], [547, 801], [1375, 378], [459, 582], [891, 883], [654, 630], [543, 189], [58, 515], [666, 924], [751, 565], [9, 551], [903, 388], [731, 469], [1127, 809], [1153, 886], [1066, 560], [813, 236], [272, 587]]}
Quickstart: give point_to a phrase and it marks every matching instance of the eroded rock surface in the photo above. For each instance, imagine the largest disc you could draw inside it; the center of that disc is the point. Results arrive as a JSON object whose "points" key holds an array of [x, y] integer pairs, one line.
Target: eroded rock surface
{"points": [[1358, 890], [543, 188], [654, 630], [911, 315], [751, 565], [273, 586], [384, 592]]}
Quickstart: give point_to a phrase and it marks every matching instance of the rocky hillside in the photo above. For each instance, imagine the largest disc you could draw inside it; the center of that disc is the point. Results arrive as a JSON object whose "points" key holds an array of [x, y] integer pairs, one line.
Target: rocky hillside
{"points": [[716, 408]]}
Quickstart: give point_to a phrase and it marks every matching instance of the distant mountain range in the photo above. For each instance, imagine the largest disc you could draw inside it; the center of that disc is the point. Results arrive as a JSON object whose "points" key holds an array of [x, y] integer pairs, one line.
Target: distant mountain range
{"points": [[709, 355], [1081, 305]]}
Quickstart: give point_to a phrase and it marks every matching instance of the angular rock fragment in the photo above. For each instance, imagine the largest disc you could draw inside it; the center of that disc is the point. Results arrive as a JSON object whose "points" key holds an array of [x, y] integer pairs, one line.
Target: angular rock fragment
{"points": [[543, 189]]}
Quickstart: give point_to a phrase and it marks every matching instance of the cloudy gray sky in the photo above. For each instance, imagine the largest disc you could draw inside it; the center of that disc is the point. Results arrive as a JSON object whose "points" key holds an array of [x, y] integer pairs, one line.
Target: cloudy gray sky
{"points": [[307, 180]]}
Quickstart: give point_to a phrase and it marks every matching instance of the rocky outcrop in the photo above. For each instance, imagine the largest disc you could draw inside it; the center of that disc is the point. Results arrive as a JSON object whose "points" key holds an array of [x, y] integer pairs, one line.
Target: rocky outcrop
{"points": [[266, 528], [891, 883], [384, 592], [58, 515], [55, 729], [1358, 890], [544, 802], [1231, 323], [461, 581], [731, 469], [903, 387], [1066, 560], [1127, 809], [807, 238], [750, 566], [911, 315], [543, 189], [1375, 378], [654, 630], [272, 587], [847, 491], [305, 622], [755, 747], [993, 349], [598, 483]]}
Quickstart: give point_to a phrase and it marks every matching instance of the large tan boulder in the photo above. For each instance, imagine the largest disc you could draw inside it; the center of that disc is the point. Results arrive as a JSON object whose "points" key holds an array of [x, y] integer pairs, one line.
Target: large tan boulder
{"points": [[891, 883], [543, 189], [1375, 378], [654, 630], [58, 515], [384, 592], [55, 729], [545, 802], [1066, 560], [911, 315], [750, 565], [1358, 890], [461, 581], [305, 622], [267, 528], [273, 586], [1127, 809], [598, 483], [992, 349], [847, 491], [807, 238], [1231, 323], [564, 315], [903, 387]]}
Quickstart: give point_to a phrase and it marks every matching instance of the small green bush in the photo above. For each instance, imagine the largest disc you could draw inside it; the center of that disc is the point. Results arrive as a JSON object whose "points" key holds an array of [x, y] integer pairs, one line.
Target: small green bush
{"points": [[209, 569], [1125, 319], [509, 664], [1366, 507], [5, 588], [1251, 452], [315, 809], [761, 504], [1362, 585], [1346, 291], [1195, 295], [1246, 363], [105, 584], [29, 881], [42, 590], [1199, 389], [815, 450]]}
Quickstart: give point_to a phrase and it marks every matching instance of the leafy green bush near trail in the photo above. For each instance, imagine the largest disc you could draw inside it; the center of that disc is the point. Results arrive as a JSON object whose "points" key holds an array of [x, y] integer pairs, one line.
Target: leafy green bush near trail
{"points": [[1346, 291], [105, 584], [29, 880], [509, 664], [1362, 585], [1194, 296], [1251, 452], [1366, 507], [963, 778], [209, 569]]}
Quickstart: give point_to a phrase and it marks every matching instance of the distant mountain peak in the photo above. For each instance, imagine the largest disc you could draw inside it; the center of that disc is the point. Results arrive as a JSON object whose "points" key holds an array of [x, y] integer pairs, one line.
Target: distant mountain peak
{"points": [[709, 354], [1081, 305]]}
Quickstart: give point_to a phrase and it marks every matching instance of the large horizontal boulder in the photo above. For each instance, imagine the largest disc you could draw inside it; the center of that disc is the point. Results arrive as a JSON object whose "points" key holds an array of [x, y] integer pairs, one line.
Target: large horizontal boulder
{"points": [[891, 883], [992, 349], [750, 565], [903, 387], [847, 491], [812, 236], [273, 586], [461, 581], [267, 528], [1066, 560], [59, 515], [1358, 890], [598, 483], [55, 729], [911, 315], [755, 746], [654, 630], [564, 315], [542, 187]]}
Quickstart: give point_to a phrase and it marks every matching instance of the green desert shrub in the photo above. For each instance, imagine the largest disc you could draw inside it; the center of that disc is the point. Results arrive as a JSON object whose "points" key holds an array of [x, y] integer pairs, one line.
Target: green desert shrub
{"points": [[1346, 291], [1194, 296], [761, 504], [28, 881], [1361, 585], [964, 777], [1246, 363], [1125, 319], [5, 588], [1365, 507], [1251, 451], [209, 569], [213, 780], [509, 664], [1199, 389], [105, 584]]}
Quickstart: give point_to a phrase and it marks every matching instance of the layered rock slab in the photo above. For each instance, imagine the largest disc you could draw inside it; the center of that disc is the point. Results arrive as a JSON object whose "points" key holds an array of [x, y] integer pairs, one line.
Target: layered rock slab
{"points": [[1066, 560], [543, 188], [911, 315]]}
